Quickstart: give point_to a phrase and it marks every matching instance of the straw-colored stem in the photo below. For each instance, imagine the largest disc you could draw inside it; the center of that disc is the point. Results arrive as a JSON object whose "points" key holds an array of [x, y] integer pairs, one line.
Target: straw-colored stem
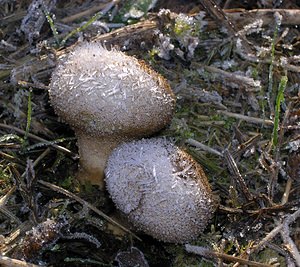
{"points": [[94, 153]]}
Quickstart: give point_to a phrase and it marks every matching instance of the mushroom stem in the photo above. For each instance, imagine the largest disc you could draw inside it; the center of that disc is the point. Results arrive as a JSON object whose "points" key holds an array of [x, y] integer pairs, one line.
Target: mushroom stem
{"points": [[93, 154]]}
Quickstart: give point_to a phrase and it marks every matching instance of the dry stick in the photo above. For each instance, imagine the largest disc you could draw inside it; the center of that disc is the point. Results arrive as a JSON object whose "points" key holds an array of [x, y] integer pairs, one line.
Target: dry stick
{"points": [[249, 55], [275, 172], [205, 252], [287, 191], [86, 204], [90, 11], [283, 127], [244, 82], [40, 157], [28, 85], [288, 220], [144, 28], [35, 137], [22, 226], [289, 16], [233, 169], [35, 124], [118, 36], [196, 143], [246, 118], [289, 243], [247, 145], [5, 211], [9, 262], [217, 13], [96, 16], [226, 4]]}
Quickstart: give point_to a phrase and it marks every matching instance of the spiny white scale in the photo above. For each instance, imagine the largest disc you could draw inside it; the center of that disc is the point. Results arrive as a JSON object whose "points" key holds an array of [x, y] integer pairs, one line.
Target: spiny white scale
{"points": [[153, 194], [117, 85]]}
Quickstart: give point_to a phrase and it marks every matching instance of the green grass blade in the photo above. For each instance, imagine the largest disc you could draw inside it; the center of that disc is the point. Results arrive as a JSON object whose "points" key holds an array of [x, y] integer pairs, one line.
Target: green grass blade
{"points": [[279, 100], [52, 26]]}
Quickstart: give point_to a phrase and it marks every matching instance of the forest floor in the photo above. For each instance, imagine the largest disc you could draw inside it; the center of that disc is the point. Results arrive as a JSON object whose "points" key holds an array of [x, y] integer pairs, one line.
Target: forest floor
{"points": [[235, 70]]}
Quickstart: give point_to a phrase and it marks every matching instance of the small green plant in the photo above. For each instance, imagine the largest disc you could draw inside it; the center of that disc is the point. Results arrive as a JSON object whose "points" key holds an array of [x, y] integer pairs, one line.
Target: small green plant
{"points": [[52, 26], [279, 100], [132, 10], [81, 28]]}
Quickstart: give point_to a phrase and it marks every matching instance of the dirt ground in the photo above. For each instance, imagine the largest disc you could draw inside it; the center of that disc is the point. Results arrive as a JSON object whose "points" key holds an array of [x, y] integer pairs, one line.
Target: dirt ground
{"points": [[234, 67]]}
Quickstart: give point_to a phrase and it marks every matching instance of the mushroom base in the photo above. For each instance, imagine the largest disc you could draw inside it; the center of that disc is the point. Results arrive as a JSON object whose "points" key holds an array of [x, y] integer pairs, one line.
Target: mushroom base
{"points": [[93, 154]]}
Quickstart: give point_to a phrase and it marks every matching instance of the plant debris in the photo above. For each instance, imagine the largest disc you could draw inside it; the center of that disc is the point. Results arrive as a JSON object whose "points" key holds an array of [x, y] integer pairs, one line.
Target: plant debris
{"points": [[234, 67]]}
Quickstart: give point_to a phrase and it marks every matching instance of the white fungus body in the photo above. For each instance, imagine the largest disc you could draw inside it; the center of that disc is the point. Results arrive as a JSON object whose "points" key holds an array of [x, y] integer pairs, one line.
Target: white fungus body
{"points": [[106, 92], [108, 97], [161, 189]]}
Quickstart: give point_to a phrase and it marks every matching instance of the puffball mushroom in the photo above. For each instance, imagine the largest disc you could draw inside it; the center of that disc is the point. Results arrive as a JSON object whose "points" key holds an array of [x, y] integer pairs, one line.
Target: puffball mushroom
{"points": [[161, 189], [107, 98]]}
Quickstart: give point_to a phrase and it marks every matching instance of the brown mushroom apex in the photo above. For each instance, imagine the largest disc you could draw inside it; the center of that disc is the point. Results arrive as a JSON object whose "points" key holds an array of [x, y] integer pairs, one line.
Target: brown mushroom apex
{"points": [[108, 97]]}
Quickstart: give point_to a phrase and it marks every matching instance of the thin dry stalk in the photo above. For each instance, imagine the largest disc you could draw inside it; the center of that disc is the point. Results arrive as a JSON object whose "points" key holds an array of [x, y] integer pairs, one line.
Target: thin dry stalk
{"points": [[233, 169], [9, 262], [91, 11], [287, 221], [287, 191], [23, 227], [3, 201], [244, 17], [10, 241], [243, 147], [86, 204], [246, 118], [276, 166], [206, 148], [205, 252], [219, 15], [289, 243], [231, 79], [37, 138]]}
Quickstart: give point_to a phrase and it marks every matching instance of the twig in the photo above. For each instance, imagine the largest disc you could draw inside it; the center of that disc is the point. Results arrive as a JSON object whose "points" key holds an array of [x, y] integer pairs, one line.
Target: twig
{"points": [[41, 156], [233, 169], [86, 204], [243, 17], [277, 141], [28, 85], [288, 220], [196, 143], [217, 13], [9, 262], [232, 79], [247, 145], [246, 118], [9, 240], [205, 252], [93, 19], [35, 137], [289, 243], [22, 227], [283, 128], [287, 190], [4, 210], [90, 11]]}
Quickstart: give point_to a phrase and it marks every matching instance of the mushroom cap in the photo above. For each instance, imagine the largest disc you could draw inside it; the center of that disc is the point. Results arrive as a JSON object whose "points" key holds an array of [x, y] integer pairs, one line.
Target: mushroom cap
{"points": [[160, 188], [105, 92]]}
